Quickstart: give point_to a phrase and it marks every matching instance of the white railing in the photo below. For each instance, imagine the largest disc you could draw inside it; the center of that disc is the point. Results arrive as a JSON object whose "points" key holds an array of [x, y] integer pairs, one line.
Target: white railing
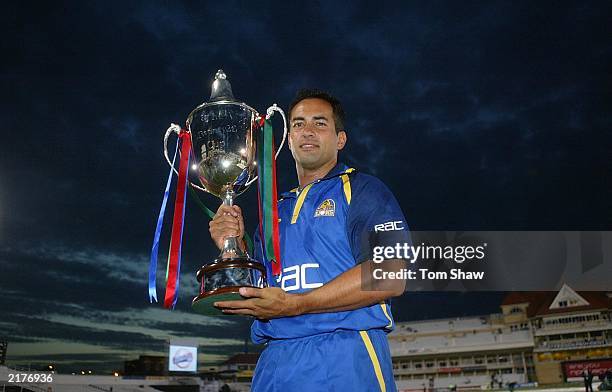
{"points": [[576, 325], [572, 344], [446, 325], [423, 344]]}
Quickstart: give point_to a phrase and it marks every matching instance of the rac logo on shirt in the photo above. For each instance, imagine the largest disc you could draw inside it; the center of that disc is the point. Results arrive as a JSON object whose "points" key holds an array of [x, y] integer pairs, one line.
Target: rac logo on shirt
{"points": [[296, 277], [389, 226]]}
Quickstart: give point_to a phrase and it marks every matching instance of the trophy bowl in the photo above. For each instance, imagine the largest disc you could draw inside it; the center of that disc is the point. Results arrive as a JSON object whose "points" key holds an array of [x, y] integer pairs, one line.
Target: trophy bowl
{"points": [[224, 150]]}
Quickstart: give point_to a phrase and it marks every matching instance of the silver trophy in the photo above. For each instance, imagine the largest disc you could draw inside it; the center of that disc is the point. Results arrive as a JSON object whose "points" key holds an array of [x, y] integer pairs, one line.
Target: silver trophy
{"points": [[224, 150]]}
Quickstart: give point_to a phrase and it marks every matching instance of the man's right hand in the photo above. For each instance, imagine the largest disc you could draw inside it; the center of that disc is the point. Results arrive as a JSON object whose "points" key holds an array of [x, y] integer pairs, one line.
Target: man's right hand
{"points": [[227, 222]]}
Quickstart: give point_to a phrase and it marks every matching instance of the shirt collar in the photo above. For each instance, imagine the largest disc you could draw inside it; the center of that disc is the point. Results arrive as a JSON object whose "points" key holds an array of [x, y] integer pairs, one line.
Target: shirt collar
{"points": [[334, 172]]}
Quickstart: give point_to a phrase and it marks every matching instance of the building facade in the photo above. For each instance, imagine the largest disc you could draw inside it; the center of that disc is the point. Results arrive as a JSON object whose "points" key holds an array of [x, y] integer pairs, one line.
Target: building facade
{"points": [[463, 352], [572, 332], [544, 337]]}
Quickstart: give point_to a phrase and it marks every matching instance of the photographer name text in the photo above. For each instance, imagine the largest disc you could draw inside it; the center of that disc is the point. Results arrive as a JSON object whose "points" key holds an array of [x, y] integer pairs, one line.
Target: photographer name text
{"points": [[424, 273]]}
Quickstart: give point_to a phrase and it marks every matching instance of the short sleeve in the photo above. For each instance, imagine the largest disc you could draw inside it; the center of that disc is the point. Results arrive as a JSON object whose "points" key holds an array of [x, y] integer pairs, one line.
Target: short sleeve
{"points": [[374, 217]]}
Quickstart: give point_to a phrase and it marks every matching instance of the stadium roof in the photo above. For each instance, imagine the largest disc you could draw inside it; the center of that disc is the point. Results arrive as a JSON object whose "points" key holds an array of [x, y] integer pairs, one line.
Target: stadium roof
{"points": [[540, 302]]}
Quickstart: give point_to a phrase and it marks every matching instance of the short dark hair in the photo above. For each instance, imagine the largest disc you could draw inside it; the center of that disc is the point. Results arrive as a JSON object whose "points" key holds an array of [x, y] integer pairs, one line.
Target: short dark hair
{"points": [[337, 109]]}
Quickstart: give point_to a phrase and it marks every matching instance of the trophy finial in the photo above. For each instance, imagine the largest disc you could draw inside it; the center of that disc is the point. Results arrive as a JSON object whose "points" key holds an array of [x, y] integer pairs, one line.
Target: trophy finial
{"points": [[220, 75], [221, 88]]}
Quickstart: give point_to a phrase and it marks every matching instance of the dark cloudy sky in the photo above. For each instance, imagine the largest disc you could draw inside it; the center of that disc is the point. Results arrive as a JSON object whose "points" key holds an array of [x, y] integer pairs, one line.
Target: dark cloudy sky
{"points": [[478, 115]]}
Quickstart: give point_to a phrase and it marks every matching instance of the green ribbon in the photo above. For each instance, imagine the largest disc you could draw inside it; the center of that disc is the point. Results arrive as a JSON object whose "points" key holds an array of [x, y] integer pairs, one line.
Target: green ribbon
{"points": [[211, 215]]}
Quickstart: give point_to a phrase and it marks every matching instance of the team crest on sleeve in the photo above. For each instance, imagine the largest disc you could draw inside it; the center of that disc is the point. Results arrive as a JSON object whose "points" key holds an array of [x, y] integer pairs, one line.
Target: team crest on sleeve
{"points": [[327, 208]]}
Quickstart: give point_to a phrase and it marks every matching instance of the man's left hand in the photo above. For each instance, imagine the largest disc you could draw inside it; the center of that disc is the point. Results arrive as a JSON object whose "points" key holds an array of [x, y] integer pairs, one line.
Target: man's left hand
{"points": [[266, 303]]}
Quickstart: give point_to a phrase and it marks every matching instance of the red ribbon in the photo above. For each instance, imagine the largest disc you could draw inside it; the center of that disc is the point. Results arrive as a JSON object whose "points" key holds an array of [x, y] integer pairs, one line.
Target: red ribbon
{"points": [[177, 222], [276, 265], [267, 197]]}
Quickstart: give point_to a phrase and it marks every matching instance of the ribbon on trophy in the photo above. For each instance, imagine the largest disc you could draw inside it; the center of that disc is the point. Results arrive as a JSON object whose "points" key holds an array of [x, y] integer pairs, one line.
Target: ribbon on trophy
{"points": [[158, 228], [268, 197], [173, 268], [174, 258], [211, 215]]}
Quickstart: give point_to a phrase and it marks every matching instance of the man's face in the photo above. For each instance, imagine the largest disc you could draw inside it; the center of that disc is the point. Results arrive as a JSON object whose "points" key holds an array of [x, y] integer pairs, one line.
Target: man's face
{"points": [[313, 140]]}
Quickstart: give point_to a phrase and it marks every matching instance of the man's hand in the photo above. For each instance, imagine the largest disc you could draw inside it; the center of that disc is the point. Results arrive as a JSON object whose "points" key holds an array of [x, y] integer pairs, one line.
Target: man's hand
{"points": [[227, 222], [345, 292], [266, 303]]}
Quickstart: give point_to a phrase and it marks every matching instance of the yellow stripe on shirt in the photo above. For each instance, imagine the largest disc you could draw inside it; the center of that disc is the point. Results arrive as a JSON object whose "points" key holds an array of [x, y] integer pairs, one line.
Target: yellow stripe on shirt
{"points": [[299, 203], [346, 186], [383, 305]]}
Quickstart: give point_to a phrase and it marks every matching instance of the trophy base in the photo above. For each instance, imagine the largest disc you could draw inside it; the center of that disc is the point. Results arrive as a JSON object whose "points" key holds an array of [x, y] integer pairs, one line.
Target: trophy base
{"points": [[203, 303], [222, 280]]}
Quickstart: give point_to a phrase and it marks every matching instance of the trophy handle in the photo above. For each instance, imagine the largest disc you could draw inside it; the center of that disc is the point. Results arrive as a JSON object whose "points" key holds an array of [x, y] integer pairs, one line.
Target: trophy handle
{"points": [[174, 128], [269, 113]]}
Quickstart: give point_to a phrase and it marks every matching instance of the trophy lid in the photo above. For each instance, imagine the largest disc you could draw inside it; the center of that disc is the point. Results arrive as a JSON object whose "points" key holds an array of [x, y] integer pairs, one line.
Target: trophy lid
{"points": [[220, 94], [221, 88]]}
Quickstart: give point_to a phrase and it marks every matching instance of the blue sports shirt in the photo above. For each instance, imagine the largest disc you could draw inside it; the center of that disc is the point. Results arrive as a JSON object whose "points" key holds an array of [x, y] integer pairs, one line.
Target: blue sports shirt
{"points": [[327, 228]]}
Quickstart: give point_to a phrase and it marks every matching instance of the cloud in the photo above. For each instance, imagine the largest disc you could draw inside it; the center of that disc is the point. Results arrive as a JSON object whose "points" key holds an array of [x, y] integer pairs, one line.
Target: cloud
{"points": [[49, 326], [88, 274], [81, 299], [474, 115], [127, 130]]}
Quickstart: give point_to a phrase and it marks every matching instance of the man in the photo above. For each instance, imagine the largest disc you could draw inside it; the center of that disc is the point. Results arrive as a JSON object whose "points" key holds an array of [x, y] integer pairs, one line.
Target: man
{"points": [[323, 328], [587, 376]]}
